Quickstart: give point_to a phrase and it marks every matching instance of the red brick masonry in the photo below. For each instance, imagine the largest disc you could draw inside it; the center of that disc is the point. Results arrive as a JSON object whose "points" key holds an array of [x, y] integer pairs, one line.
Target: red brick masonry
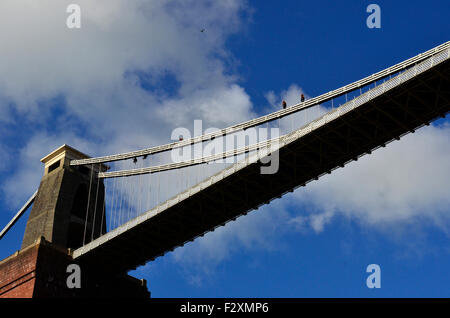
{"points": [[39, 271], [18, 274]]}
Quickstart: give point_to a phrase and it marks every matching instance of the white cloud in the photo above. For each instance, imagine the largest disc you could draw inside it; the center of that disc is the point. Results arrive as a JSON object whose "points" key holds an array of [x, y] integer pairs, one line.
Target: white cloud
{"points": [[316, 221], [5, 156], [42, 56], [94, 69], [405, 182]]}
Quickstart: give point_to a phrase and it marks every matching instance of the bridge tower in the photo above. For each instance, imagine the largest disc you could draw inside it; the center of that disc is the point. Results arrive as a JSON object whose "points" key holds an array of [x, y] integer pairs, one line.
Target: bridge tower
{"points": [[68, 212]]}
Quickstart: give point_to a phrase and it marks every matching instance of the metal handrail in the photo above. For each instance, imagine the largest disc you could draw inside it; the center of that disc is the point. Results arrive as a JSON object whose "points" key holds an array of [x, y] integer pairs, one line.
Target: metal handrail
{"points": [[272, 116]]}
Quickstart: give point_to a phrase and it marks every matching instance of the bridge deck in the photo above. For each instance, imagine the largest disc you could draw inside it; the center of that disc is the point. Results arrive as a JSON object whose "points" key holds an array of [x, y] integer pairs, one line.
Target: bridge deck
{"points": [[352, 130]]}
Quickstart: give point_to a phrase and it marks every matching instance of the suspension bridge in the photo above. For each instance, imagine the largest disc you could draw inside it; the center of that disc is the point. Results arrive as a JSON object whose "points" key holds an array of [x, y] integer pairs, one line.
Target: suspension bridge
{"points": [[134, 207]]}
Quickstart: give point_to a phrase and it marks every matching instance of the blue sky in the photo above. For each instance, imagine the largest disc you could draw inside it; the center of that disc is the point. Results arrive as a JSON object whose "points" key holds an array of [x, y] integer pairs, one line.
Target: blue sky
{"points": [[134, 72]]}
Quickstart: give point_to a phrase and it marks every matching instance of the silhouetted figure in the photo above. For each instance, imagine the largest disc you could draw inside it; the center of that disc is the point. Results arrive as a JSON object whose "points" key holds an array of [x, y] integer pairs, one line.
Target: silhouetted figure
{"points": [[284, 104], [302, 98], [134, 160]]}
